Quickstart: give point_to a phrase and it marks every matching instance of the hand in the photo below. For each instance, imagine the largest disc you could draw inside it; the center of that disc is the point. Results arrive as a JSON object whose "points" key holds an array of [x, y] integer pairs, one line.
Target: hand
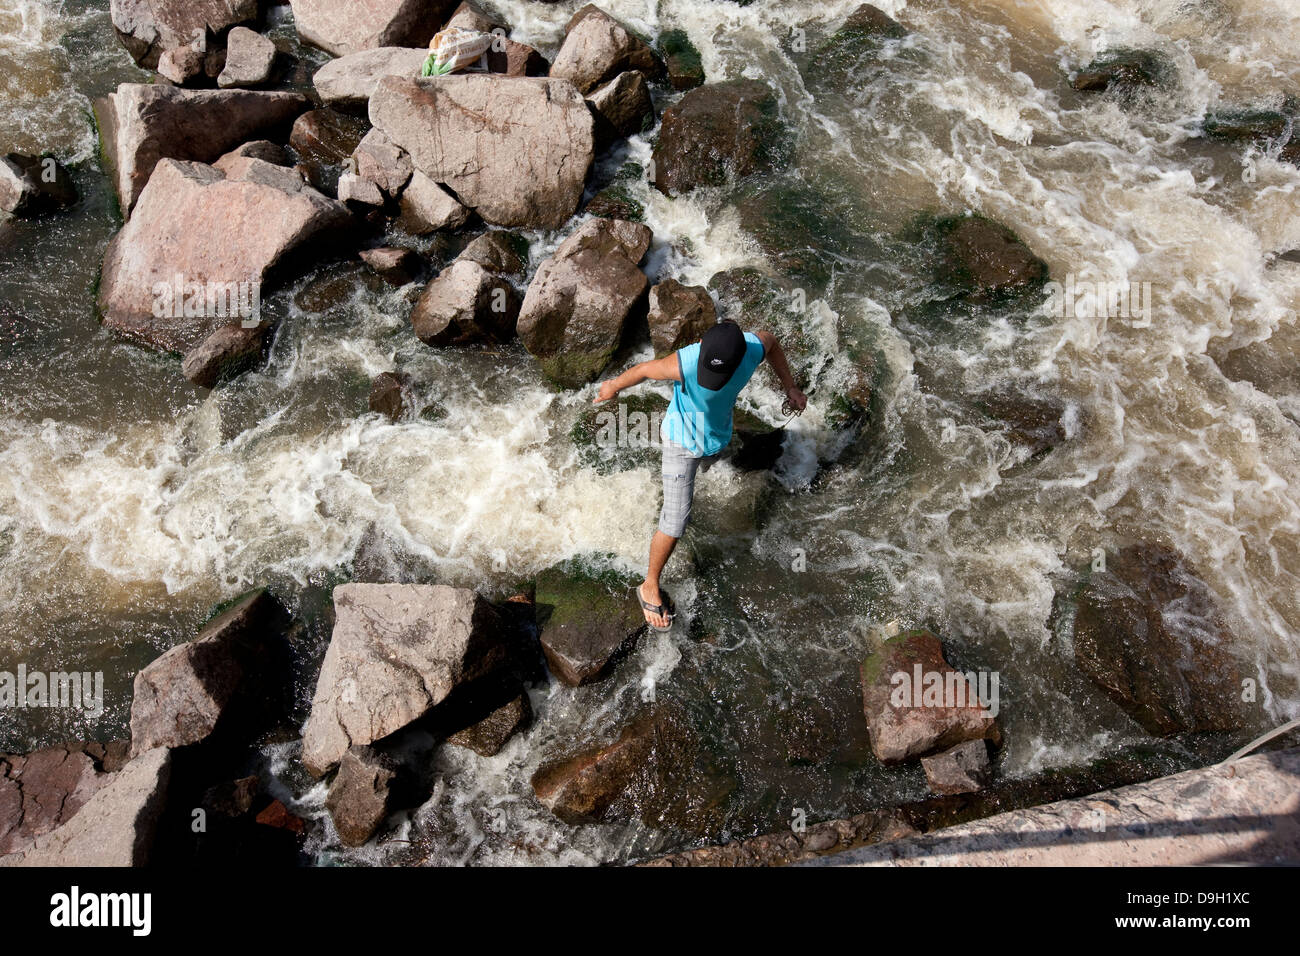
{"points": [[607, 391], [798, 400]]}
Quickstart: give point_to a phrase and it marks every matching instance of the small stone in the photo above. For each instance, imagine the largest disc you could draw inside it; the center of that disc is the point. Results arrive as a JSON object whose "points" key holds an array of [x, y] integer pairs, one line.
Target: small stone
{"points": [[960, 769]]}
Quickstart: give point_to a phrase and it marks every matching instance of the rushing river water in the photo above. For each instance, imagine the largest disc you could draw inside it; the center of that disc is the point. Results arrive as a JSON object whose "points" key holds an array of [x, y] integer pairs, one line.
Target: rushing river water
{"points": [[131, 502]]}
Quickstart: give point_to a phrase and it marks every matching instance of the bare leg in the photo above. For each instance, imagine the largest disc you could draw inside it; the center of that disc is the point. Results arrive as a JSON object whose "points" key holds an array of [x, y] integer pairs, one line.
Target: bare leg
{"points": [[661, 549]]}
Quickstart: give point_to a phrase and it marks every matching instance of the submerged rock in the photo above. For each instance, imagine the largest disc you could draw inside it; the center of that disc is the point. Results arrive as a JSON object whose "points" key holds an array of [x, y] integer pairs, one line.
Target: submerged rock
{"points": [[389, 395], [346, 26], [514, 149], [194, 222], [360, 795], [657, 770], [576, 307], [679, 315], [223, 681], [598, 48], [588, 619], [31, 185], [1148, 632], [1034, 424], [984, 261], [916, 703], [397, 651], [142, 125], [1122, 68], [115, 827], [714, 132]]}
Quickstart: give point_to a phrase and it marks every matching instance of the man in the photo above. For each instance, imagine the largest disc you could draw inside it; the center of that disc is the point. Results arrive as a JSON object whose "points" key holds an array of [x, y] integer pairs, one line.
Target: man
{"points": [[708, 377]]}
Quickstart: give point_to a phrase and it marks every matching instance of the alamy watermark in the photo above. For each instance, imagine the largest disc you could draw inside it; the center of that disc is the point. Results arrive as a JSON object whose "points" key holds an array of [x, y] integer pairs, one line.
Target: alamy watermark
{"points": [[78, 690], [182, 299], [1086, 299], [950, 689]]}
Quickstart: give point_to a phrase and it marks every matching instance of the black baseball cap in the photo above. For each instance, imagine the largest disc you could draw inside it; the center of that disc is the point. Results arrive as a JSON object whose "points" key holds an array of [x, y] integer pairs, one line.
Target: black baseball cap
{"points": [[721, 351]]}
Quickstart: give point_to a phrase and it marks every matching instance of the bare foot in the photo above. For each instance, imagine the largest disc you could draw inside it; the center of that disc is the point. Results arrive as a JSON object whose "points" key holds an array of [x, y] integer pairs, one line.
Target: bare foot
{"points": [[651, 595]]}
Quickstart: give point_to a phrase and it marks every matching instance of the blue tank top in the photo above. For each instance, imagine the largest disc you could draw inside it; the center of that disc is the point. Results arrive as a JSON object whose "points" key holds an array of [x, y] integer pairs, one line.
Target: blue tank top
{"points": [[698, 418]]}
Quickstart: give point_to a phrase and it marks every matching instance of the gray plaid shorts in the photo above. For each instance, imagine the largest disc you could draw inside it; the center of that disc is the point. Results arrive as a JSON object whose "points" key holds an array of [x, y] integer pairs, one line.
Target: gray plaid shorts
{"points": [[679, 470]]}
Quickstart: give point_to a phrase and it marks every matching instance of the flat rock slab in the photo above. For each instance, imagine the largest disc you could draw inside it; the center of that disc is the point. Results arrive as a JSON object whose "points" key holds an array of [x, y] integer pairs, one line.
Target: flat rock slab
{"points": [[116, 827], [40, 791], [1245, 813], [350, 80], [514, 149], [397, 651], [346, 26]]}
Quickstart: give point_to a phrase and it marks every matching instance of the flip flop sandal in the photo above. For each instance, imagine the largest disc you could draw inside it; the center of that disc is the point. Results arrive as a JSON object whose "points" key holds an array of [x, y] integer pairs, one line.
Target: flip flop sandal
{"points": [[667, 609]]}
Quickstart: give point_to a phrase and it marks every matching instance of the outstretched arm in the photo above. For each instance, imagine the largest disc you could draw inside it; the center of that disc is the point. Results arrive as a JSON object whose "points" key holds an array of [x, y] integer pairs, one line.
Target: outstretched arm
{"points": [[775, 355], [665, 369]]}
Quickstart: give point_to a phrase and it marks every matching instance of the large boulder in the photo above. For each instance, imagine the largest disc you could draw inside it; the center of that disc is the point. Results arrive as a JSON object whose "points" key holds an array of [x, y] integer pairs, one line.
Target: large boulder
{"points": [[143, 124], [916, 703], [249, 59], [679, 315], [516, 150], [360, 795], [1148, 632], [115, 827], [348, 81], [43, 790], [598, 48], [397, 651], [715, 132], [220, 681], [578, 302], [222, 235], [465, 304], [346, 26], [147, 28], [31, 185], [588, 620], [500, 252]]}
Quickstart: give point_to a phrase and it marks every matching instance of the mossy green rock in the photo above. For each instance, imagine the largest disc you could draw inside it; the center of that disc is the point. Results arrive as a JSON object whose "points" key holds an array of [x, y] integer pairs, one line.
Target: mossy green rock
{"points": [[588, 615], [620, 435], [685, 68]]}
